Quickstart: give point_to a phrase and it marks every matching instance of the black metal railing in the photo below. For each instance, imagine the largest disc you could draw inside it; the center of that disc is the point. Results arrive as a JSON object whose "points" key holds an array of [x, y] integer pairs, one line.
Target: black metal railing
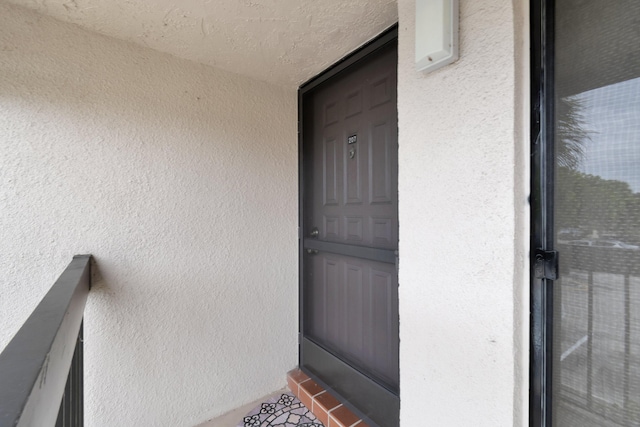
{"points": [[41, 367], [71, 413]]}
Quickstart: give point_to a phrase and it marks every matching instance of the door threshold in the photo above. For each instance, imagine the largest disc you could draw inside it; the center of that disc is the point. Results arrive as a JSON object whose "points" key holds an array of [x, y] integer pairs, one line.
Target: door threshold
{"points": [[326, 407]]}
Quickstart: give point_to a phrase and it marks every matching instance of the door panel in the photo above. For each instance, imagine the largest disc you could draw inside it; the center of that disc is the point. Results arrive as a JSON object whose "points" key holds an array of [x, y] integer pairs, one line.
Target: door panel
{"points": [[349, 233], [353, 188], [352, 311]]}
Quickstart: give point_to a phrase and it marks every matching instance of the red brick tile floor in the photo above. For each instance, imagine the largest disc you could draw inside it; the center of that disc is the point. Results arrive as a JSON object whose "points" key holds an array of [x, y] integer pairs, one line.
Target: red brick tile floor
{"points": [[323, 405]]}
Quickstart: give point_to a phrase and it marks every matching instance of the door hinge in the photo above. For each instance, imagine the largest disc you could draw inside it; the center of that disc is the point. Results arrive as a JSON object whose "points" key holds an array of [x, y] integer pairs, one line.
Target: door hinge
{"points": [[546, 264]]}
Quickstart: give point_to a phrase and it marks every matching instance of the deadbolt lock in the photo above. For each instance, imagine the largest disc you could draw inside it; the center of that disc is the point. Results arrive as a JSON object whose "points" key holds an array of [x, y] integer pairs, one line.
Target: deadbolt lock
{"points": [[314, 232]]}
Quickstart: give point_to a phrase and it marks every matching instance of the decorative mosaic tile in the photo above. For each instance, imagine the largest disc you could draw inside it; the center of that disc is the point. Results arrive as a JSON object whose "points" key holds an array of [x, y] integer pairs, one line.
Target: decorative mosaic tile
{"points": [[283, 411]]}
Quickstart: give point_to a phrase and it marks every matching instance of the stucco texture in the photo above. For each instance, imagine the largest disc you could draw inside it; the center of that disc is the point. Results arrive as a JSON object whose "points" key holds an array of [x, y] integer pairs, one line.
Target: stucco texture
{"points": [[461, 233], [279, 41], [181, 181]]}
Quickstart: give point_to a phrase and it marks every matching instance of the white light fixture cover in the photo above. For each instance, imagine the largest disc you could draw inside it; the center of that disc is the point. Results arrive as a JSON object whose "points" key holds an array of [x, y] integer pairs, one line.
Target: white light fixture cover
{"points": [[436, 33]]}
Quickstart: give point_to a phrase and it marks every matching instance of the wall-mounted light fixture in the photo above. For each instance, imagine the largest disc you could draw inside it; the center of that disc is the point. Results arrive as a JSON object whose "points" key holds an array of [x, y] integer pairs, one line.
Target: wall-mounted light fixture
{"points": [[436, 33]]}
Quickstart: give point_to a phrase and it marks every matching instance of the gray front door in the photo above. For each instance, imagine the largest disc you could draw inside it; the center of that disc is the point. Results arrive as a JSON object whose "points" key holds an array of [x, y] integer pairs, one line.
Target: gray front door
{"points": [[350, 233]]}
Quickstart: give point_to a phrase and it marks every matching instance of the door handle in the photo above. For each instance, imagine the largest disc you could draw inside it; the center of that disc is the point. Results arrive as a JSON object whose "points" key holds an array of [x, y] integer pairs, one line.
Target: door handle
{"points": [[314, 233]]}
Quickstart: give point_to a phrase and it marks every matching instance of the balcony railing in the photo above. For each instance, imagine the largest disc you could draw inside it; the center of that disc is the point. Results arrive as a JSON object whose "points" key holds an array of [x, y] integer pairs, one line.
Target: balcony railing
{"points": [[41, 367], [600, 344]]}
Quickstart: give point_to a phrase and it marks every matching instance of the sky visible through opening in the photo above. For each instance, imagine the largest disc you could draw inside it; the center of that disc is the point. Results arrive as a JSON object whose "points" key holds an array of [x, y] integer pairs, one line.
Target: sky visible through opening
{"points": [[612, 117]]}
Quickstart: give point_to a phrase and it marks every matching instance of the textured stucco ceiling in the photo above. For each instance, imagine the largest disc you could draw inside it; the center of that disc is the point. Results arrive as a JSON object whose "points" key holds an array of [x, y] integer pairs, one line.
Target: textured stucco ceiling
{"points": [[279, 41]]}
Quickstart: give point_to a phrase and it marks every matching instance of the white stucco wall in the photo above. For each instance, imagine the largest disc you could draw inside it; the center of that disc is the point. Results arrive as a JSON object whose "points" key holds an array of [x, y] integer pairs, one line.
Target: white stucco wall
{"points": [[182, 182], [463, 226]]}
